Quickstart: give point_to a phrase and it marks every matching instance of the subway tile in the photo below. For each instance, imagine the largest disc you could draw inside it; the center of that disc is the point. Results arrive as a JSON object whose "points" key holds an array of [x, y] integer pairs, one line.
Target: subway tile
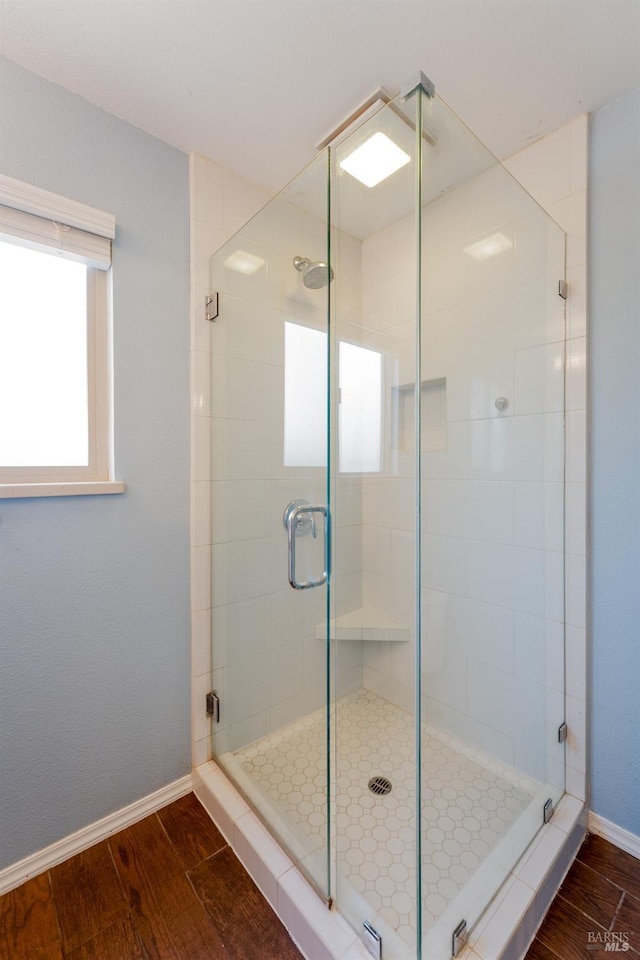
{"points": [[544, 168], [488, 512], [239, 510], [576, 590], [241, 449], [576, 374], [248, 331], [200, 578], [200, 327], [540, 248], [443, 561], [493, 200], [517, 448], [539, 650], [536, 866], [576, 784], [575, 518], [576, 446], [200, 384], [238, 630], [539, 379], [512, 910], [200, 723], [201, 513], [200, 642], [308, 920], [576, 659], [576, 741], [241, 200], [579, 130], [576, 303], [201, 428], [200, 751], [479, 630], [539, 515]]}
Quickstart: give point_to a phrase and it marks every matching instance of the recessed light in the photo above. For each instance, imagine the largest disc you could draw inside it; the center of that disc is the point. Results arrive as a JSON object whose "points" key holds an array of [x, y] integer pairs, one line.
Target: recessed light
{"points": [[375, 160], [488, 246], [244, 262]]}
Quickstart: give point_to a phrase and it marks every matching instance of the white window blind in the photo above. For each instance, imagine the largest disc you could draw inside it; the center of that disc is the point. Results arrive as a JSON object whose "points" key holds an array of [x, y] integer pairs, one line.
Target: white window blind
{"points": [[39, 233]]}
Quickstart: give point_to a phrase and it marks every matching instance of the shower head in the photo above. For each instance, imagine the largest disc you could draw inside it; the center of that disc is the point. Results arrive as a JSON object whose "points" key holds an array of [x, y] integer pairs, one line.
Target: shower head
{"points": [[314, 275]]}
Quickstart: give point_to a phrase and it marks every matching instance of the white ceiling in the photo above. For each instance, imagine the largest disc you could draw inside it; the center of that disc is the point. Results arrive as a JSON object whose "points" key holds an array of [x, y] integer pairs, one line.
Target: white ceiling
{"points": [[256, 84]]}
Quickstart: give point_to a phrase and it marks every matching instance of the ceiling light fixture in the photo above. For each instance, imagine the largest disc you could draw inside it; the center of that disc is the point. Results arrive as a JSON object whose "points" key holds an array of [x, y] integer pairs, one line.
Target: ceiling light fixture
{"points": [[243, 262], [375, 160]]}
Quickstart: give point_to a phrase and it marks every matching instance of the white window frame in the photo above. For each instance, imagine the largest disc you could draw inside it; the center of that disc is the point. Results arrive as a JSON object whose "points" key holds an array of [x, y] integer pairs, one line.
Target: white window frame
{"points": [[34, 217]]}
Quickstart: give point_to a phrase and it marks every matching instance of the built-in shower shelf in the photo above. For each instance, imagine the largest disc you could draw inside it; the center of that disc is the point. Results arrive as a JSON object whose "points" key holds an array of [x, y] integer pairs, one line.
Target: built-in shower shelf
{"points": [[364, 624]]}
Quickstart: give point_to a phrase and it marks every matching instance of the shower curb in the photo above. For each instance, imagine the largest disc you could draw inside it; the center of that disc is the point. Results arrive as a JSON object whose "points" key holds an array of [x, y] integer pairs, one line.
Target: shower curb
{"points": [[504, 932]]}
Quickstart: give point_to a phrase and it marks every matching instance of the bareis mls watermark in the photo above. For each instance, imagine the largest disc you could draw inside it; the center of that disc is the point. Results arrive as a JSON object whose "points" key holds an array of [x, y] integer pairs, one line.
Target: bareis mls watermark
{"points": [[615, 941]]}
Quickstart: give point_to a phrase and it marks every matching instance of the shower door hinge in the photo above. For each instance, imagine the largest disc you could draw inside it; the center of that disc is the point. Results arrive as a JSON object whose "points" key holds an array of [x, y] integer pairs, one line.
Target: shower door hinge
{"points": [[211, 306], [563, 289], [563, 732], [213, 706], [459, 938], [548, 811], [372, 940]]}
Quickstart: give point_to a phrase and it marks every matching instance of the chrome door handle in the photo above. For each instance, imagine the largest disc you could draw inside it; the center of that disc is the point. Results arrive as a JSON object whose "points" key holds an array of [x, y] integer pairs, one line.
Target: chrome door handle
{"points": [[308, 509]]}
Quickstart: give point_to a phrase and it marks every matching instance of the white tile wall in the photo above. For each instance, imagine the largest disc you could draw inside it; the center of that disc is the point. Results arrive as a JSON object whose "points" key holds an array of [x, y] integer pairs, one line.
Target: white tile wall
{"points": [[493, 500]]}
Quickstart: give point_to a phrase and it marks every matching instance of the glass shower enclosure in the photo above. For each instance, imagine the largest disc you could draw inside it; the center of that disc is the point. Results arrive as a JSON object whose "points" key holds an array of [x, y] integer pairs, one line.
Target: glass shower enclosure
{"points": [[388, 553]]}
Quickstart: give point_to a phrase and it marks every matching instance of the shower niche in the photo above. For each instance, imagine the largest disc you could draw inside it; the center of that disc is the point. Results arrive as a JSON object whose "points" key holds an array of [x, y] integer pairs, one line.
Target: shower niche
{"points": [[433, 399], [429, 652]]}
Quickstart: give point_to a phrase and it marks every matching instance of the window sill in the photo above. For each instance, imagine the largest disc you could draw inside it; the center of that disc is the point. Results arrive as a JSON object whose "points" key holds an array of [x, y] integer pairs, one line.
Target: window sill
{"points": [[11, 491]]}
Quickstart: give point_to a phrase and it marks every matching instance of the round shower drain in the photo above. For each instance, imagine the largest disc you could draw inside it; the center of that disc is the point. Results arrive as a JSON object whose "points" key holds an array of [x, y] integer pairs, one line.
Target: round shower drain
{"points": [[380, 786]]}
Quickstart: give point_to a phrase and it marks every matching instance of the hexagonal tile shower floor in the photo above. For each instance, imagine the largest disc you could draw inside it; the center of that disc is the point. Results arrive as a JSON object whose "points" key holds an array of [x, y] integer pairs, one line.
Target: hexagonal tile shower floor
{"points": [[470, 801]]}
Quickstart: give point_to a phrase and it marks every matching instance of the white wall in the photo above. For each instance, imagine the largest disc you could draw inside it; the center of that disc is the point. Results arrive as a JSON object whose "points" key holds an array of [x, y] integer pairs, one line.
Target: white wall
{"points": [[94, 595], [615, 461]]}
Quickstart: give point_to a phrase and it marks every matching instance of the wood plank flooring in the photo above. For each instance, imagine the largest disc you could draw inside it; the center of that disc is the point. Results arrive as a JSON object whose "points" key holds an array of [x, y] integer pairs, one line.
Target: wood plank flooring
{"points": [[170, 888], [167, 888], [600, 896]]}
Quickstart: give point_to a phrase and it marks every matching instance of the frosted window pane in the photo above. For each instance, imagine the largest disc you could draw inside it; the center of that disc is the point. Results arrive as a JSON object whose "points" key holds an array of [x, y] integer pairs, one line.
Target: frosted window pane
{"points": [[305, 396], [360, 409], [43, 359]]}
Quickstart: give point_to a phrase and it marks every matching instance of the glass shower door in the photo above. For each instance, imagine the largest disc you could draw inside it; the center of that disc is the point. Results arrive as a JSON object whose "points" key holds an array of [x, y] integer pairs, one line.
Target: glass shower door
{"points": [[271, 537]]}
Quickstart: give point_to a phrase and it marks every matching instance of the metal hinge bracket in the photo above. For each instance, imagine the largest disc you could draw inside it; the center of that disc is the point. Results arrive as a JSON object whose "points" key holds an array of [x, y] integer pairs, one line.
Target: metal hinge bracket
{"points": [[459, 938], [548, 810], [213, 706], [563, 732], [563, 289], [372, 940], [211, 306]]}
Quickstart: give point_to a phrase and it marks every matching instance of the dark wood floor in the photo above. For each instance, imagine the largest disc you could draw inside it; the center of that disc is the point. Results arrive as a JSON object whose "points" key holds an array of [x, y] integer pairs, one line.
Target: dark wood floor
{"points": [[170, 888], [600, 895], [167, 888]]}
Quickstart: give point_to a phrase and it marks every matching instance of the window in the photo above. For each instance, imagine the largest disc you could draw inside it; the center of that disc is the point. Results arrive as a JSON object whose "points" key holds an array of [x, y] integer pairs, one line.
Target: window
{"points": [[305, 402], [55, 257]]}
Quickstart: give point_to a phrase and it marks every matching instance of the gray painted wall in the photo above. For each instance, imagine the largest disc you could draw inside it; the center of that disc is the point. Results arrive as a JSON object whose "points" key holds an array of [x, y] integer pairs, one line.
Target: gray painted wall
{"points": [[94, 591], [615, 461]]}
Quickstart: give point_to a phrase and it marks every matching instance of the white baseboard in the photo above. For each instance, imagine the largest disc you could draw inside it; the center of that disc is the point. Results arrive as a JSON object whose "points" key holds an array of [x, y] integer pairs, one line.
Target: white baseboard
{"points": [[76, 842], [618, 835]]}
